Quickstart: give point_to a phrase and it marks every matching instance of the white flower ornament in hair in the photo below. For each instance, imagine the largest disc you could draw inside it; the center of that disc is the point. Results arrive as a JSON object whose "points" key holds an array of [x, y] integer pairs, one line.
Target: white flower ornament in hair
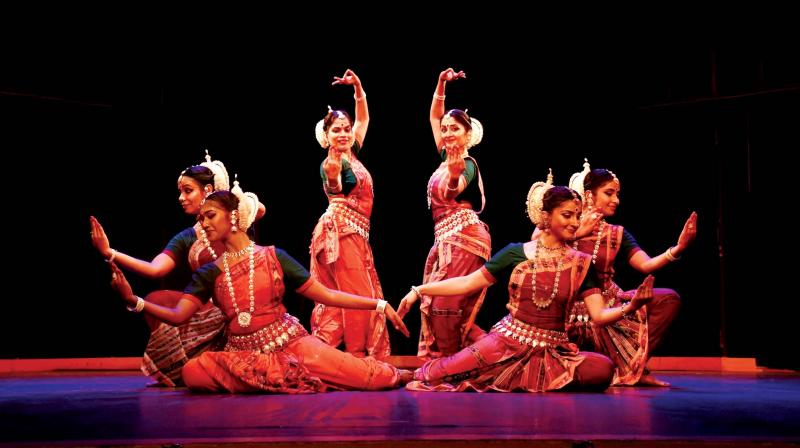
{"points": [[319, 131], [476, 134], [576, 180], [221, 180], [248, 205], [535, 197]]}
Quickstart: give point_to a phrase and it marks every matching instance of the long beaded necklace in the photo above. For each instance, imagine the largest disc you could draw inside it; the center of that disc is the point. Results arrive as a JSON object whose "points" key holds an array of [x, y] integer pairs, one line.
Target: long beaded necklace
{"points": [[430, 187], [208, 244], [243, 317], [596, 243], [562, 252], [430, 184]]}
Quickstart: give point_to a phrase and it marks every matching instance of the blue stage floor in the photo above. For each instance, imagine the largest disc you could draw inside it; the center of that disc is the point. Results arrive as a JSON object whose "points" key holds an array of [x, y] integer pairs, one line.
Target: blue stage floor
{"points": [[100, 408]]}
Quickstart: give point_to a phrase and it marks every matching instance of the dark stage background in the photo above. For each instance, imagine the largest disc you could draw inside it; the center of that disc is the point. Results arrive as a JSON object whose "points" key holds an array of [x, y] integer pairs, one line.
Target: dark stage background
{"points": [[685, 126]]}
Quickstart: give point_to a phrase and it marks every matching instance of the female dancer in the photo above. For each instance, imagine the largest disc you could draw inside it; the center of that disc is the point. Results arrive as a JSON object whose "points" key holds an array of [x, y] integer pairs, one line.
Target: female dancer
{"points": [[630, 341], [462, 243], [170, 347], [267, 350], [341, 257], [528, 350]]}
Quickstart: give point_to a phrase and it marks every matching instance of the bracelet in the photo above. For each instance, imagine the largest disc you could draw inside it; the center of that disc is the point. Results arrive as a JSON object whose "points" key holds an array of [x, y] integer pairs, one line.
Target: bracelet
{"points": [[359, 98], [438, 97], [336, 189], [416, 291], [138, 307], [670, 257], [111, 258], [622, 310], [381, 307]]}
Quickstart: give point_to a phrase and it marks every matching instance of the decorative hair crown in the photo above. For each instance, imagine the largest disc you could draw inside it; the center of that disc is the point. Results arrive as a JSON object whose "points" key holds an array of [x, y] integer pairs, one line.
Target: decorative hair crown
{"points": [[576, 181], [535, 196], [476, 134], [221, 180], [319, 131], [248, 205]]}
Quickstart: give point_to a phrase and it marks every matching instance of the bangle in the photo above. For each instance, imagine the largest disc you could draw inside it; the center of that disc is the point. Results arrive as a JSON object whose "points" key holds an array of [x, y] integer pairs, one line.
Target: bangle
{"points": [[381, 307], [416, 291], [624, 314], [359, 98], [113, 254], [138, 307], [670, 256], [336, 188], [438, 97]]}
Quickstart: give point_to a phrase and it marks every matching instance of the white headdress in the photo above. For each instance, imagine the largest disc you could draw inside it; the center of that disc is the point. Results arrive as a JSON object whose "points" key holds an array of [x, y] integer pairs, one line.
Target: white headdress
{"points": [[476, 133], [221, 180], [319, 132], [576, 181], [248, 206], [535, 196]]}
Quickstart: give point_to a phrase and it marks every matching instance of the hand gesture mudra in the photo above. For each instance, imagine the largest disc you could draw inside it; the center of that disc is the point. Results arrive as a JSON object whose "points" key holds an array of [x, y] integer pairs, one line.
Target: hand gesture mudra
{"points": [[407, 303], [99, 238], [688, 233], [333, 163], [120, 284], [644, 293], [455, 162], [349, 78], [452, 75], [396, 319], [589, 220]]}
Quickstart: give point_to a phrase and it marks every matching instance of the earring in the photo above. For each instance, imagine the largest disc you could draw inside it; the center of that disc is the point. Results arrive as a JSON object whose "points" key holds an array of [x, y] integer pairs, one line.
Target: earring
{"points": [[234, 229]]}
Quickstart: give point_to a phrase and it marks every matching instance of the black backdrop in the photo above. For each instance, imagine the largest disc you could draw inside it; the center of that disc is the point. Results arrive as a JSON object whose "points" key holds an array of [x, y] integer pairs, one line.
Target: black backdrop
{"points": [[685, 126]]}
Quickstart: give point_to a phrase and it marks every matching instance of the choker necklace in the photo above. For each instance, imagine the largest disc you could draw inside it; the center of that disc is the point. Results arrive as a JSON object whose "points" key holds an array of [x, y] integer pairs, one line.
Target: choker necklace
{"points": [[539, 245], [243, 317], [544, 303], [239, 253]]}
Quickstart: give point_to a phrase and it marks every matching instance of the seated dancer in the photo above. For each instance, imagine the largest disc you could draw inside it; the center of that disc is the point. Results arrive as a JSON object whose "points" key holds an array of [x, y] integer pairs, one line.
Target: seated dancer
{"points": [[629, 341], [528, 350], [267, 350], [170, 347]]}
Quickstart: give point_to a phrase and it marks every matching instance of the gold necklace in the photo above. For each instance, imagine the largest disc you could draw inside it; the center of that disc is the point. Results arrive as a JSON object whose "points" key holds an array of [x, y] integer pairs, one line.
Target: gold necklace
{"points": [[243, 317], [546, 302]]}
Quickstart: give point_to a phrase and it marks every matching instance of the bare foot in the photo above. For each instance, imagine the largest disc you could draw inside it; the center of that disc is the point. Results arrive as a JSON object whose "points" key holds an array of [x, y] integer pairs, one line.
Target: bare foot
{"points": [[649, 380], [406, 376]]}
